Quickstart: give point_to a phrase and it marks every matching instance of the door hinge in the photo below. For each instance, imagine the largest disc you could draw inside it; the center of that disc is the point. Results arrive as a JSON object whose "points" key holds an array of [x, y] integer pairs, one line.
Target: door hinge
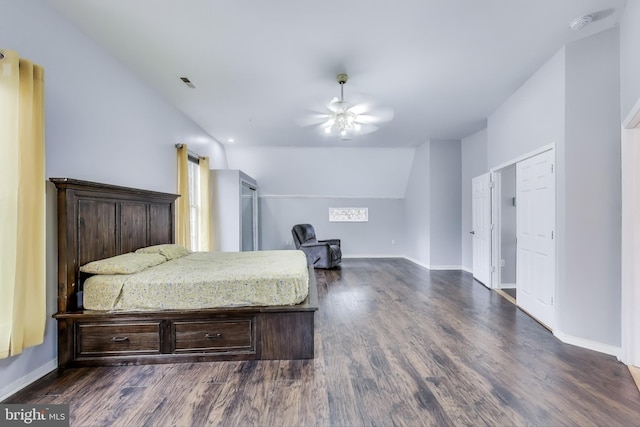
{"points": [[552, 234], [492, 184], [493, 269], [551, 167], [552, 301]]}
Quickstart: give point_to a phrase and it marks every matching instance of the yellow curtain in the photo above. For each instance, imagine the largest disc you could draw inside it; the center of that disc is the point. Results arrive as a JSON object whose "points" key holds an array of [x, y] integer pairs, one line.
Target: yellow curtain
{"points": [[22, 205], [205, 206], [183, 225]]}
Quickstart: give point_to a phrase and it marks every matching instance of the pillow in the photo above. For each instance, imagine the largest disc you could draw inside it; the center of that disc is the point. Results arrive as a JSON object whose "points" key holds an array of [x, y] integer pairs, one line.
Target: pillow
{"points": [[169, 251], [128, 263]]}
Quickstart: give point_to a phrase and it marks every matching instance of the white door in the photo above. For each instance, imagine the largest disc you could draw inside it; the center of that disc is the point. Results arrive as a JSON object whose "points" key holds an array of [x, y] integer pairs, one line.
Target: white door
{"points": [[536, 249], [481, 228]]}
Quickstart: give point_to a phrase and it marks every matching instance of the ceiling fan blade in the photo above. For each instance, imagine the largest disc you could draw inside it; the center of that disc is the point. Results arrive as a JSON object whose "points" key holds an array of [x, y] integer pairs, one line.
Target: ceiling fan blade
{"points": [[366, 128], [380, 115], [361, 108], [312, 119]]}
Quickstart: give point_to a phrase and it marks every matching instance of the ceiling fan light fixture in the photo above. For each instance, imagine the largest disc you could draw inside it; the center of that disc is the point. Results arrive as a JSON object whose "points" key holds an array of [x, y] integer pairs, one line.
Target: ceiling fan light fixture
{"points": [[343, 119]]}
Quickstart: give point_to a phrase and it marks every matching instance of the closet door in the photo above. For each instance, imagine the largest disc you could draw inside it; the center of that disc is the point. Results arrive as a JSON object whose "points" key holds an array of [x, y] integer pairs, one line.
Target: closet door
{"points": [[536, 247], [481, 223]]}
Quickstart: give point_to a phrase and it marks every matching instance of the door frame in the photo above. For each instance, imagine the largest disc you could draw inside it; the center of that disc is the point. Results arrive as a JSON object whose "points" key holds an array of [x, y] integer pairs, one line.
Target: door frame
{"points": [[496, 221], [630, 250], [496, 237]]}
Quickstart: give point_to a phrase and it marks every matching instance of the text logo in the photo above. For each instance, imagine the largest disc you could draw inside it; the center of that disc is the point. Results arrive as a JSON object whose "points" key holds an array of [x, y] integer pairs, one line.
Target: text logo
{"points": [[34, 415]]}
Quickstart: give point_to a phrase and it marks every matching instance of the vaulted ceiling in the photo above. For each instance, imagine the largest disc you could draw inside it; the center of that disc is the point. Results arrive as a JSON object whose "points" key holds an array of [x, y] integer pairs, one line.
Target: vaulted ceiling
{"points": [[261, 68]]}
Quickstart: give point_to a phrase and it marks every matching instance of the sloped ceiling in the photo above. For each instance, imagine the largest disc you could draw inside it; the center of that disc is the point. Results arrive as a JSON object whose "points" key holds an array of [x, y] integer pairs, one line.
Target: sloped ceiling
{"points": [[259, 67]]}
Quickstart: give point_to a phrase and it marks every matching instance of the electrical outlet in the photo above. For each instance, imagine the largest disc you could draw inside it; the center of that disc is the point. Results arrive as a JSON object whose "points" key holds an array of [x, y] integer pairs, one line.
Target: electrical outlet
{"points": [[393, 242], [502, 263]]}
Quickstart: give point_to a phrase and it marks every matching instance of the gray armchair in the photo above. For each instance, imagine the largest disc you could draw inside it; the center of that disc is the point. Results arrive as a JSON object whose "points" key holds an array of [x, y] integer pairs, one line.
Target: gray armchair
{"points": [[320, 253]]}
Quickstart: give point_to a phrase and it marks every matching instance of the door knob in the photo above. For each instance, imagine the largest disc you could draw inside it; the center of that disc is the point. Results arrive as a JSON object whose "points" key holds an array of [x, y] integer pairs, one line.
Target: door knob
{"points": [[472, 232]]}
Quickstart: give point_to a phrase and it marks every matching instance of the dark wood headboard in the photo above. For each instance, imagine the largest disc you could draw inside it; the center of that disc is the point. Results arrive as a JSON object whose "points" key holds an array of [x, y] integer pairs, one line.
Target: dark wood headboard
{"points": [[98, 221]]}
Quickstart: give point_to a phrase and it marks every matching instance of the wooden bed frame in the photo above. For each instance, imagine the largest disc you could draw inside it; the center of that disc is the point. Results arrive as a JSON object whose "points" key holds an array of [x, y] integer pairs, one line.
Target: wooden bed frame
{"points": [[97, 221]]}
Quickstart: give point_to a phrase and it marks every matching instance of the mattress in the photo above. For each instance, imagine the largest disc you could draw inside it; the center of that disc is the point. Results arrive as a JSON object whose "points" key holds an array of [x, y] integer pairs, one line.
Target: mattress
{"points": [[205, 280]]}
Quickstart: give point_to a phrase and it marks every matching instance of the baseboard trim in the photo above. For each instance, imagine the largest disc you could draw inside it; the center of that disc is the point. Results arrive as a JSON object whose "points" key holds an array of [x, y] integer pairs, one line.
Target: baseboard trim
{"points": [[372, 256], [508, 286], [30, 378], [416, 262], [446, 267], [588, 344]]}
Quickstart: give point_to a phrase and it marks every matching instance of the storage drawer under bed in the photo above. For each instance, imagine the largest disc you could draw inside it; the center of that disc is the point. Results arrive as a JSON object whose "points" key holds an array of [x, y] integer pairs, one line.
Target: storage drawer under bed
{"points": [[212, 336], [111, 339]]}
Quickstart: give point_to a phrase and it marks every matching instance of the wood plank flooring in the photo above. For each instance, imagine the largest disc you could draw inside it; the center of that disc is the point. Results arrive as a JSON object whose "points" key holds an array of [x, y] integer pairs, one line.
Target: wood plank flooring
{"points": [[395, 345]]}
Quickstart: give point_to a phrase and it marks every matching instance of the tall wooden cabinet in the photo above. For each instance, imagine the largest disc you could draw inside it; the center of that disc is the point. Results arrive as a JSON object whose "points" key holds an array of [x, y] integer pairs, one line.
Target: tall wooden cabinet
{"points": [[234, 208]]}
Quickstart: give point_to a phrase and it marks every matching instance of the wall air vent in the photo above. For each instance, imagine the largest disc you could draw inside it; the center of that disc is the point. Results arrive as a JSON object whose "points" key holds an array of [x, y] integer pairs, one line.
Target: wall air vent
{"points": [[187, 82]]}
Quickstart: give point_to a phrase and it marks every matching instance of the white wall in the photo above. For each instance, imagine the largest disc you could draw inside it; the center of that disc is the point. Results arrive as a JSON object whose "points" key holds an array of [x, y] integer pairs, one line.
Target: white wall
{"points": [[298, 185], [382, 235], [418, 207], [629, 58], [532, 117], [102, 124], [589, 300], [331, 171], [446, 205], [630, 97], [573, 101], [473, 163], [433, 205]]}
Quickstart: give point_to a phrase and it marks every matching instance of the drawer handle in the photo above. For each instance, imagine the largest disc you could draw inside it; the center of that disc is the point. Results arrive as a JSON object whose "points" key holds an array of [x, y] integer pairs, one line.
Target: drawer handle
{"points": [[119, 339], [215, 336]]}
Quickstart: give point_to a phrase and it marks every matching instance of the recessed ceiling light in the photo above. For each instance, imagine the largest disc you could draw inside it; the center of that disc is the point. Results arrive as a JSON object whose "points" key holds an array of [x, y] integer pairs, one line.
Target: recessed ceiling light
{"points": [[231, 140], [580, 22]]}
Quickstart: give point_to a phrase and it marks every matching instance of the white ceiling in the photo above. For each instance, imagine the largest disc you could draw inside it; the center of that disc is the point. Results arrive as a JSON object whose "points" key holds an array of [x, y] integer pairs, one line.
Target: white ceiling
{"points": [[259, 67]]}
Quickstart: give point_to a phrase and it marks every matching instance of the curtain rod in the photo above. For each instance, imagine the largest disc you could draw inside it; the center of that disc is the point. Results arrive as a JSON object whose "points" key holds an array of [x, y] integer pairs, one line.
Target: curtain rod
{"points": [[193, 153]]}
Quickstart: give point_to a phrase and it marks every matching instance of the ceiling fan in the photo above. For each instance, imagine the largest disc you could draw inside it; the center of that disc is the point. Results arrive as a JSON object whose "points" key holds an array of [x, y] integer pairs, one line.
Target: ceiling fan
{"points": [[344, 119]]}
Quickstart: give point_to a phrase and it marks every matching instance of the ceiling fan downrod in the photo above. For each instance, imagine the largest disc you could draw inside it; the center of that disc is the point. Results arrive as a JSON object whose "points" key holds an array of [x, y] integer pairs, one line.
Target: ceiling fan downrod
{"points": [[342, 78]]}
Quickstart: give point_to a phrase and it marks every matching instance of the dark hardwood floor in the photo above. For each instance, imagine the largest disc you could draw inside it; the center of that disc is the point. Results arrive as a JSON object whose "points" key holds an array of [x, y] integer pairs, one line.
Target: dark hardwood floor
{"points": [[395, 345]]}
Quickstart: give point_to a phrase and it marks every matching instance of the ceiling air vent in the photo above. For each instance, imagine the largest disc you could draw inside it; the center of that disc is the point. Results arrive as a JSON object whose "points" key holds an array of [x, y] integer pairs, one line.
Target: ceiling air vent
{"points": [[187, 82]]}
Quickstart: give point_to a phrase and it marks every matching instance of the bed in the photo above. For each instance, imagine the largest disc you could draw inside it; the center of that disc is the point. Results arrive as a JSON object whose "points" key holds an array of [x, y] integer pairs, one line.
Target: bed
{"points": [[99, 221]]}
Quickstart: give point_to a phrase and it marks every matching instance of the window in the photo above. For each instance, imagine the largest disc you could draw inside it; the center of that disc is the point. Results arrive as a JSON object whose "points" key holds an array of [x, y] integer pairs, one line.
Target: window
{"points": [[194, 201]]}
